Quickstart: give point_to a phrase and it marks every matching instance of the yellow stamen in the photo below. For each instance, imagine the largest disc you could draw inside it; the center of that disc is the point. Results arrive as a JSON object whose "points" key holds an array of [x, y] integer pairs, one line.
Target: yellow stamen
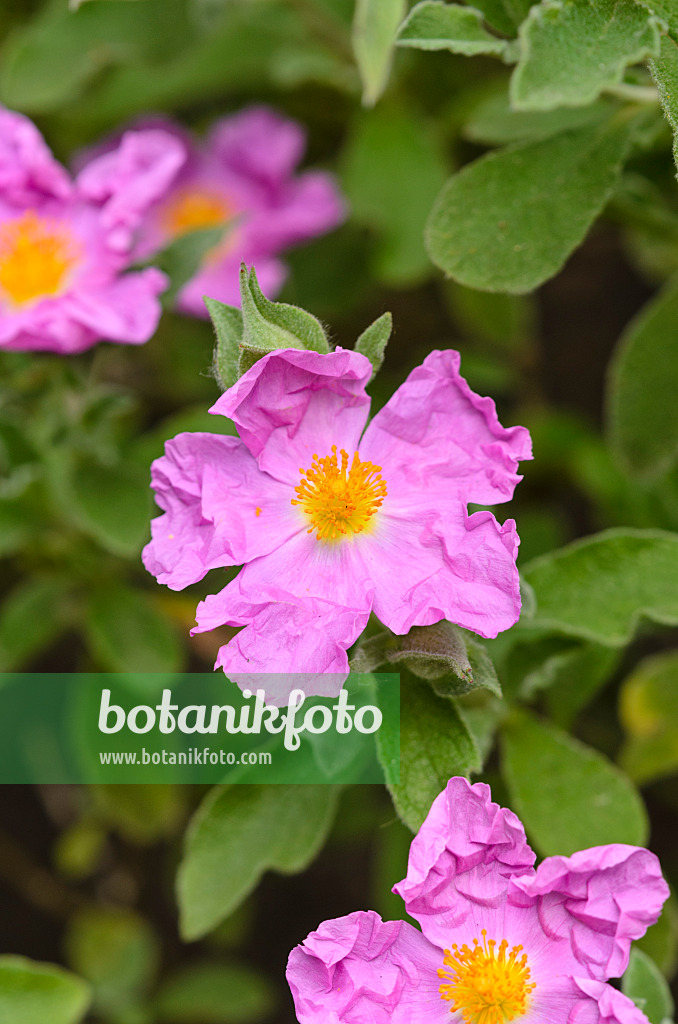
{"points": [[37, 255], [484, 984], [339, 501], [192, 209]]}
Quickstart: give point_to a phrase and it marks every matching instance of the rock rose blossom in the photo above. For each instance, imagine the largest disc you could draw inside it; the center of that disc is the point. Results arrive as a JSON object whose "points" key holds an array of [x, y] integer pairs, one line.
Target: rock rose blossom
{"points": [[241, 176], [64, 244], [330, 525], [499, 940]]}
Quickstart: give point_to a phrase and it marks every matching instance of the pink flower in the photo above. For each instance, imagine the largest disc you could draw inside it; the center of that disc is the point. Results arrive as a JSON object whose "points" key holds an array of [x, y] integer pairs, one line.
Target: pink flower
{"points": [[242, 176], [64, 245], [331, 527], [499, 941]]}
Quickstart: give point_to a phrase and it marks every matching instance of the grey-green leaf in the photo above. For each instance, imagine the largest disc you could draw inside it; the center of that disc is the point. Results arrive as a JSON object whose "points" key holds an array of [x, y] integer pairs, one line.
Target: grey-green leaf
{"points": [[568, 795], [127, 633], [664, 70], [508, 221], [435, 744], [228, 327], [599, 588], [373, 341], [269, 325], [31, 617], [435, 25], [238, 833], [645, 984], [642, 388], [375, 25], [571, 50], [34, 993]]}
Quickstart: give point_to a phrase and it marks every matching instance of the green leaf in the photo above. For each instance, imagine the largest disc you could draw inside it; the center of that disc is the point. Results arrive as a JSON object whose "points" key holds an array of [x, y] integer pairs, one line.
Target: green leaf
{"points": [[645, 984], [228, 326], [666, 9], [112, 504], [33, 993], [182, 258], [435, 744], [436, 25], [599, 588], [664, 71], [648, 709], [238, 833], [116, 951], [642, 385], [393, 170], [571, 50], [375, 25], [508, 221], [216, 994], [505, 15], [270, 325], [493, 122], [568, 795], [574, 678], [31, 617], [141, 814], [373, 341], [127, 634]]}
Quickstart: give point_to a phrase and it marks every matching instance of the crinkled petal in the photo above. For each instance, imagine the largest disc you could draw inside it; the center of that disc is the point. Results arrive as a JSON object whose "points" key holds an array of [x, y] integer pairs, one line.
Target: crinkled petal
{"points": [[312, 205], [435, 433], [430, 560], [126, 310], [220, 509], [127, 180], [29, 173], [462, 860], [361, 970], [258, 143], [603, 898], [293, 404], [599, 1003]]}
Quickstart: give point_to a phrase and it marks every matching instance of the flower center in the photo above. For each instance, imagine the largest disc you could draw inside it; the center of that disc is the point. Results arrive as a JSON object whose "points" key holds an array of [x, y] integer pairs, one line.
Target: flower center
{"points": [[193, 209], [339, 501], [36, 255], [484, 984]]}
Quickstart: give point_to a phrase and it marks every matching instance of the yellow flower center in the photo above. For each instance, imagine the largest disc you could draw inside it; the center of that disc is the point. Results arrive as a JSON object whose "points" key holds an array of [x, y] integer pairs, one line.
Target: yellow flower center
{"points": [[484, 984], [36, 257], [339, 501], [193, 209]]}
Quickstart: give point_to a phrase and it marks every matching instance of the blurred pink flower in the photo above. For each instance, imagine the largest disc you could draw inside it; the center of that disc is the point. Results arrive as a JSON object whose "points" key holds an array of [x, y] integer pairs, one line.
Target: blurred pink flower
{"points": [[241, 176], [328, 535], [64, 245], [499, 941]]}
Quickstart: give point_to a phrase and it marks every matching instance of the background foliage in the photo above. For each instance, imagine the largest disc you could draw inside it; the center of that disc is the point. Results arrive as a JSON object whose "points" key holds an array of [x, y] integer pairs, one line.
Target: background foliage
{"points": [[512, 194]]}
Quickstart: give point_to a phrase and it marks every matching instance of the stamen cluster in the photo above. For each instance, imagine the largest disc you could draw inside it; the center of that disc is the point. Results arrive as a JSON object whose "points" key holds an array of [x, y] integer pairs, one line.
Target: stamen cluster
{"points": [[340, 501], [485, 985], [36, 254]]}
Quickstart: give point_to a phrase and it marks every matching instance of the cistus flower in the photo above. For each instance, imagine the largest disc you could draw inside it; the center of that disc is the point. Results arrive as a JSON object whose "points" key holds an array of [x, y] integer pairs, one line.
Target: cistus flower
{"points": [[331, 526], [242, 176], [65, 245], [499, 940]]}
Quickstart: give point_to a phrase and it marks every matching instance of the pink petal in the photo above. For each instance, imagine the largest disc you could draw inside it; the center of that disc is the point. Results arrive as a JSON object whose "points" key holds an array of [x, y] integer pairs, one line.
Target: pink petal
{"points": [[126, 310], [258, 143], [219, 509], [432, 561], [603, 1005], [603, 898], [460, 865], [361, 970], [293, 404], [29, 174], [126, 181], [311, 205], [435, 433]]}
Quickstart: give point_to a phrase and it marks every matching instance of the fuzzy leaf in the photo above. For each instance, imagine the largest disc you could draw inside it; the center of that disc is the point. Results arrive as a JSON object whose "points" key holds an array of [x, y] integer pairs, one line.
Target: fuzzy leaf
{"points": [[269, 325], [571, 50], [645, 984], [664, 70], [599, 588], [375, 25], [643, 382], [568, 795], [435, 25], [373, 341], [228, 326], [508, 221], [238, 833], [504, 15], [33, 993], [435, 744]]}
